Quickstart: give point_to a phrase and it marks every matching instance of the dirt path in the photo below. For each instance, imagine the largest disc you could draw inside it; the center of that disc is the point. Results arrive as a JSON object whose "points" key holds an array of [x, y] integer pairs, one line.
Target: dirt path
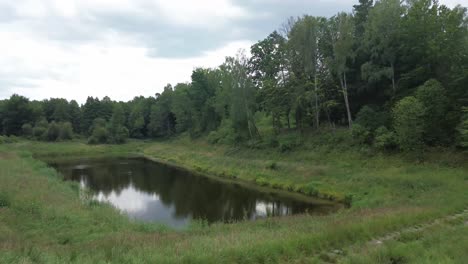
{"points": [[335, 255]]}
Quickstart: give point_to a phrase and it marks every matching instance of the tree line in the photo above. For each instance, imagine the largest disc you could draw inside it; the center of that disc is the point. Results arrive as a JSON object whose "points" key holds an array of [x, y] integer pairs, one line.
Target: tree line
{"points": [[394, 72]]}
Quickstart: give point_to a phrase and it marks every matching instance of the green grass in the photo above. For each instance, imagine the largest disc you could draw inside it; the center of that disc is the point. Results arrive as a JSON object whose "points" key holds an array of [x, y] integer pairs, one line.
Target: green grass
{"points": [[43, 219]]}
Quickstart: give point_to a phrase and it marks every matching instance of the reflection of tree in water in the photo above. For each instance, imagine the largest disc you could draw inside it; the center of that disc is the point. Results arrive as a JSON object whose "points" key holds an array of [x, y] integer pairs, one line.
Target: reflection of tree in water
{"points": [[199, 197]]}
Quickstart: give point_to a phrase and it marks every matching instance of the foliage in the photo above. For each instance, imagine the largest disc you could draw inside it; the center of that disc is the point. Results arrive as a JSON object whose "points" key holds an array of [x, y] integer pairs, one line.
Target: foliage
{"points": [[53, 131], [361, 134], [463, 129], [370, 119], [14, 113], [40, 130], [384, 139], [313, 72], [99, 134], [225, 134], [436, 102], [409, 123], [27, 130], [66, 131]]}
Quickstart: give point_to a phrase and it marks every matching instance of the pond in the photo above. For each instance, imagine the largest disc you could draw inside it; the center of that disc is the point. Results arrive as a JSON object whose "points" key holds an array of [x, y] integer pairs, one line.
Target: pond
{"points": [[150, 191]]}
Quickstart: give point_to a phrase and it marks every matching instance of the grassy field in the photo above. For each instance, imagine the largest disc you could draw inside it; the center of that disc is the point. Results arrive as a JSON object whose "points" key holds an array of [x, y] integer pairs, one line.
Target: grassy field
{"points": [[44, 220]]}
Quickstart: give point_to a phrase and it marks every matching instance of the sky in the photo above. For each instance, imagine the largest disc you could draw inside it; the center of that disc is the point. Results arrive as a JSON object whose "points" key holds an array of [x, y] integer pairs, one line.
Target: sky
{"points": [[125, 48]]}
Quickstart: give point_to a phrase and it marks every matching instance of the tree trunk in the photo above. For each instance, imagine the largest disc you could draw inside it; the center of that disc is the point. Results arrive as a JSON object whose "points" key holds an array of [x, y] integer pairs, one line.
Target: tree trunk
{"points": [[327, 111], [393, 79], [345, 94], [317, 113]]}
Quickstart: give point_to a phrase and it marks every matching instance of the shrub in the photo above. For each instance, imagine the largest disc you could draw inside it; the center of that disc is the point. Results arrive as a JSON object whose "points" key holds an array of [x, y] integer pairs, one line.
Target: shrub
{"points": [[40, 130], [120, 135], [408, 118], [4, 200], [370, 119], [288, 142], [224, 135], [463, 129], [272, 165], [361, 134], [99, 136], [27, 130], [99, 132], [53, 132], [433, 96], [66, 131], [261, 181], [384, 139]]}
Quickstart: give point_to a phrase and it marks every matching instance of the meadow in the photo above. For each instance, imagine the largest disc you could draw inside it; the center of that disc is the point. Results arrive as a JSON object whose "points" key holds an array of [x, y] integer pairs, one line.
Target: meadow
{"points": [[44, 219]]}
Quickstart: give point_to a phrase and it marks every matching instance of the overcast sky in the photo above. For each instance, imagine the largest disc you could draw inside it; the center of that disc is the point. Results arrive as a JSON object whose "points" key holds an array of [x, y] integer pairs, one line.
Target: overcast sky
{"points": [[124, 48]]}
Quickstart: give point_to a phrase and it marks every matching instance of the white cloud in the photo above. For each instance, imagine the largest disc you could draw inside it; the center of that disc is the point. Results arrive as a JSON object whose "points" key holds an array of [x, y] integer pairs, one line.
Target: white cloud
{"points": [[115, 66], [76, 48]]}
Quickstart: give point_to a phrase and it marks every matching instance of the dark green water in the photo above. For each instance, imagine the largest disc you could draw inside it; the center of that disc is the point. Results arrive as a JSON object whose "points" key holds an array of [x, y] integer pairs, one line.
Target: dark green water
{"points": [[150, 191]]}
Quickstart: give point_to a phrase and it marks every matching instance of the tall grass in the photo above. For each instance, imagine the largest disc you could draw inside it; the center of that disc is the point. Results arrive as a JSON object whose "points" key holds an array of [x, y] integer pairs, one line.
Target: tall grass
{"points": [[43, 220]]}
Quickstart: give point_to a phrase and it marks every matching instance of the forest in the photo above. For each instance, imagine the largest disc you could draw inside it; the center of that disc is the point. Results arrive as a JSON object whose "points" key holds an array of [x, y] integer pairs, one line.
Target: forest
{"points": [[395, 73]]}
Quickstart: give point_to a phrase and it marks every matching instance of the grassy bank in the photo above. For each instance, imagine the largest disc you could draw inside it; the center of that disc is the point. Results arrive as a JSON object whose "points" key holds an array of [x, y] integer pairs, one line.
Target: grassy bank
{"points": [[43, 219]]}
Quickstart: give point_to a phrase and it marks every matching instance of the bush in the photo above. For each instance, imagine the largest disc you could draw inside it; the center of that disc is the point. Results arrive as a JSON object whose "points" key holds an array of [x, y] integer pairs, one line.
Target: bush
{"points": [[53, 132], [27, 130], [40, 133], [409, 116], [8, 139], [370, 119], [4, 200], [40, 130], [384, 139], [66, 131], [272, 165], [288, 142], [120, 135], [463, 130], [224, 135], [361, 135], [433, 96], [100, 135]]}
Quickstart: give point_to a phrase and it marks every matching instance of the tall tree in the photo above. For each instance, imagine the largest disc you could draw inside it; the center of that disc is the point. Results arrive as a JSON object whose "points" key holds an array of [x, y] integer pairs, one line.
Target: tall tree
{"points": [[267, 65], [243, 95], [15, 112], [342, 40], [382, 39]]}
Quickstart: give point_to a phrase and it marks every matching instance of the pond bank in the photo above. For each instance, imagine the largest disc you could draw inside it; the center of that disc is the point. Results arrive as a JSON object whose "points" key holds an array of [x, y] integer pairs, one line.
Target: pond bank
{"points": [[43, 220]]}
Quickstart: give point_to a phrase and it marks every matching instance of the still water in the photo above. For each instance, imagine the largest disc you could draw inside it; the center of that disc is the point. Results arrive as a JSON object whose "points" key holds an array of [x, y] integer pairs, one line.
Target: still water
{"points": [[149, 191]]}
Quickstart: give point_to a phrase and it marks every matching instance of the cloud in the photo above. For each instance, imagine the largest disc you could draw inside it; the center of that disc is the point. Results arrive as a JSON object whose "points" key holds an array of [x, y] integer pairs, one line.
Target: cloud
{"points": [[124, 48]]}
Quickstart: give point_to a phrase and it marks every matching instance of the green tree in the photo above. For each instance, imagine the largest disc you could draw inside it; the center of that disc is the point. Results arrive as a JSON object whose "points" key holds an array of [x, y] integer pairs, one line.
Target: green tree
{"points": [[181, 106], [27, 130], [305, 38], [463, 129], [435, 100], [342, 40], [40, 129], [16, 112], [162, 120], [66, 131], [99, 132], [408, 121], [361, 13], [382, 39], [243, 96], [118, 133], [75, 115], [53, 132], [267, 64], [136, 121]]}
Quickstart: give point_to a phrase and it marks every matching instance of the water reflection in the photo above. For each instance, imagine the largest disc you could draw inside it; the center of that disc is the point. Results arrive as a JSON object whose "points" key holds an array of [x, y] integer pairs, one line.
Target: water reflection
{"points": [[150, 191]]}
